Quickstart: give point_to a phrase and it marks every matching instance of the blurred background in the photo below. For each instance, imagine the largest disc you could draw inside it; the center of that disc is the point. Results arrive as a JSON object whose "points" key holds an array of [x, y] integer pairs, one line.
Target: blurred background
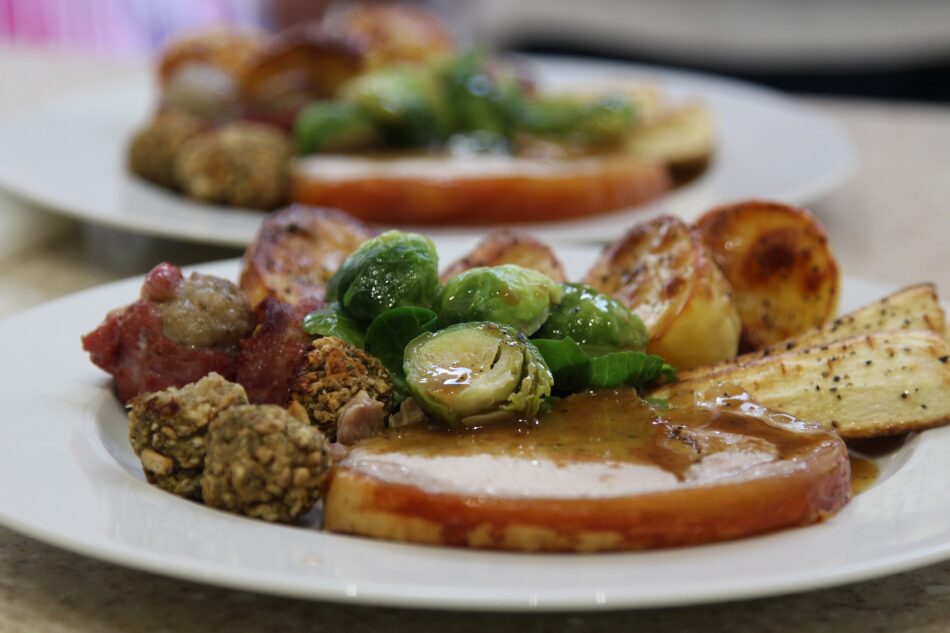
{"points": [[869, 48]]}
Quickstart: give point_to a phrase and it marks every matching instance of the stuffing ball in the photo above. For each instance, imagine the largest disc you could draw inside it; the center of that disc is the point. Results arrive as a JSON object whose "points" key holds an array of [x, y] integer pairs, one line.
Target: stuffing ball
{"points": [[332, 374], [205, 311], [239, 164], [154, 148], [264, 463], [168, 431]]}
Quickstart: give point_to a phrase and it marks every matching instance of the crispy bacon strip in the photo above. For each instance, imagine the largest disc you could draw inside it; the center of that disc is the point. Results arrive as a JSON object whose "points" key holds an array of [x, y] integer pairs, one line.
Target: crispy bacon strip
{"points": [[269, 359]]}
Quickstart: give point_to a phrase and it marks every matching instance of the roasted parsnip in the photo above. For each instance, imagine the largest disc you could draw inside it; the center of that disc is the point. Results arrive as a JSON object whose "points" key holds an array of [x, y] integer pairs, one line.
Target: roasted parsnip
{"points": [[913, 308], [864, 386]]}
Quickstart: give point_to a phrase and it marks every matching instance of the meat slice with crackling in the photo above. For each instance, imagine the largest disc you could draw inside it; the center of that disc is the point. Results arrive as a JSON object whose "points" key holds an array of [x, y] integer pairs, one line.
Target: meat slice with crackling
{"points": [[177, 332]]}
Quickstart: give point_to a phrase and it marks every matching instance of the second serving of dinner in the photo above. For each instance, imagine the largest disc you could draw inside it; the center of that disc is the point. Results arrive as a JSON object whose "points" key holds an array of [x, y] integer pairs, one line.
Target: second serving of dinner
{"points": [[377, 111], [696, 385]]}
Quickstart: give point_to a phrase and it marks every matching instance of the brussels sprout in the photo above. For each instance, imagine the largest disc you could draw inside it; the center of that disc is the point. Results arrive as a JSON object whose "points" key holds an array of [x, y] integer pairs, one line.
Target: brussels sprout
{"points": [[507, 294], [551, 115], [407, 103], [483, 97], [571, 118], [598, 322], [475, 373], [608, 119], [389, 270], [334, 126]]}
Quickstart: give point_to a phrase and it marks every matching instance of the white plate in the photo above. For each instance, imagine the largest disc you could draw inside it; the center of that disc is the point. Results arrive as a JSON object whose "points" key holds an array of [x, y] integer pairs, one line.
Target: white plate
{"points": [[71, 479], [69, 155]]}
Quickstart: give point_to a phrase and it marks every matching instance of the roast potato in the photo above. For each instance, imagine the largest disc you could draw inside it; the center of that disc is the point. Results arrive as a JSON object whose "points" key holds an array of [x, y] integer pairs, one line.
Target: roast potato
{"points": [[682, 138], [661, 271], [777, 259], [295, 253], [230, 51], [509, 247], [869, 385], [200, 72], [393, 34], [298, 66]]}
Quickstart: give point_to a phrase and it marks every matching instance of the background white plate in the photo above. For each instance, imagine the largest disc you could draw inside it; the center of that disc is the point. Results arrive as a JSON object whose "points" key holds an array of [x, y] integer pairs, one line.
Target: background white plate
{"points": [[71, 479], [69, 155]]}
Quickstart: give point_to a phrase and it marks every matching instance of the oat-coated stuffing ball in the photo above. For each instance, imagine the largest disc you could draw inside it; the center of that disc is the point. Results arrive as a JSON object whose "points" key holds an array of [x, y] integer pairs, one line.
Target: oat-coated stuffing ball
{"points": [[240, 164], [264, 463], [168, 431], [333, 372], [154, 148]]}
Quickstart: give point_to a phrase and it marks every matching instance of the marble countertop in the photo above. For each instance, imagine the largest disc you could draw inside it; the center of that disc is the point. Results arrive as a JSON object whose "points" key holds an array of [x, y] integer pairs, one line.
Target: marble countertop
{"points": [[889, 222]]}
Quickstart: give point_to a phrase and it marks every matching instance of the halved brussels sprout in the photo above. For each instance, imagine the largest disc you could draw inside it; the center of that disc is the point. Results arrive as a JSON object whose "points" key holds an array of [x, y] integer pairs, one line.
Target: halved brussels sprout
{"points": [[507, 294], [598, 322], [389, 270], [471, 374]]}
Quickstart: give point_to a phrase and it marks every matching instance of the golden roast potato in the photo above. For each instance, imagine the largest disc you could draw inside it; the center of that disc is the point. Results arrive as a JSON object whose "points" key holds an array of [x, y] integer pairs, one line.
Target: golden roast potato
{"points": [[662, 272], [777, 259], [510, 247], [295, 253]]}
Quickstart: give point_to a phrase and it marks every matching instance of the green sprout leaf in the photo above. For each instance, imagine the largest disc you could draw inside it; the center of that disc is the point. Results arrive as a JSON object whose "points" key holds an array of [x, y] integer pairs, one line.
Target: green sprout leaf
{"points": [[574, 370], [330, 321], [569, 365], [634, 369], [390, 332]]}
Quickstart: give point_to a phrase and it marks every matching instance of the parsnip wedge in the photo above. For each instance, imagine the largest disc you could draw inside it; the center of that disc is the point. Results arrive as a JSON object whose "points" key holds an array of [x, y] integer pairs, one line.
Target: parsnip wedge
{"points": [[912, 308], [510, 247], [776, 257], [295, 253], [864, 386], [661, 271]]}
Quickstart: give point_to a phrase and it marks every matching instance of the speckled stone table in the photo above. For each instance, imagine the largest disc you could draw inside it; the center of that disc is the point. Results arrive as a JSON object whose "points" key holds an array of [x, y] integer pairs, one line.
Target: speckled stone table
{"points": [[891, 222]]}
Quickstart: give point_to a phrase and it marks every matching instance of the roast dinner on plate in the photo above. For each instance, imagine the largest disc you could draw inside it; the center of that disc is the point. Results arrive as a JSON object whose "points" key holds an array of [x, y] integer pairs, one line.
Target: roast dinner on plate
{"points": [[696, 385], [377, 111]]}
